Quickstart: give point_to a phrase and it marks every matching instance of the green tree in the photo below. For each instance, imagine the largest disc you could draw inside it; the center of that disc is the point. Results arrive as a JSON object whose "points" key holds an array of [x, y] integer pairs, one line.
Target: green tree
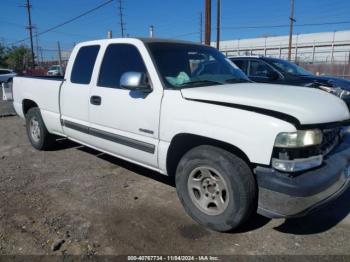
{"points": [[3, 56], [18, 58]]}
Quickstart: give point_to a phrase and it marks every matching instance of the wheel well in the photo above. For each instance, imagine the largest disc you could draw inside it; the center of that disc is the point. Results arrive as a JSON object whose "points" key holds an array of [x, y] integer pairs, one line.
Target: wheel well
{"points": [[182, 143], [28, 104]]}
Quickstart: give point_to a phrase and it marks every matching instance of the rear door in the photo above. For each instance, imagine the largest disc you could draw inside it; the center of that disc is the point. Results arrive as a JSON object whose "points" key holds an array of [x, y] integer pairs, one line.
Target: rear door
{"points": [[125, 122], [75, 93]]}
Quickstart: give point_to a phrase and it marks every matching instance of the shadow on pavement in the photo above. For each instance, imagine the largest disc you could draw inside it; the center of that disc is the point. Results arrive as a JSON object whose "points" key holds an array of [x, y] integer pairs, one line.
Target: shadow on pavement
{"points": [[63, 143], [256, 221], [139, 170], [317, 222], [320, 221]]}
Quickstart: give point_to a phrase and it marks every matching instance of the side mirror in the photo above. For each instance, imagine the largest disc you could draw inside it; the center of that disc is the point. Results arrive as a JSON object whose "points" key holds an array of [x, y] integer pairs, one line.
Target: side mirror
{"points": [[135, 81], [272, 75]]}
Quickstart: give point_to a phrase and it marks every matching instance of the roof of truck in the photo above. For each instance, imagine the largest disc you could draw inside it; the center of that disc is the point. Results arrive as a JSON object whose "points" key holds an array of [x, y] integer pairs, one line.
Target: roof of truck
{"points": [[164, 40], [143, 39]]}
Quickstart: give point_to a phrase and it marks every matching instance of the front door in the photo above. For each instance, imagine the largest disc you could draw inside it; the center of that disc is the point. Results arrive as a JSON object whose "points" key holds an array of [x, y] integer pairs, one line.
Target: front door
{"points": [[125, 122]]}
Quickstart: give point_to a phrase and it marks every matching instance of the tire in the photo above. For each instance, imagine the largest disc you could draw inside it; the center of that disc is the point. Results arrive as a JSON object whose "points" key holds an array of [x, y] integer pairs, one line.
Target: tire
{"points": [[37, 132], [230, 193]]}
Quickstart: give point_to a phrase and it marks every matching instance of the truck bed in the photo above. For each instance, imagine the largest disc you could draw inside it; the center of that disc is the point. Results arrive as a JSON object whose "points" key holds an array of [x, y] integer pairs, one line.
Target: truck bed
{"points": [[44, 91]]}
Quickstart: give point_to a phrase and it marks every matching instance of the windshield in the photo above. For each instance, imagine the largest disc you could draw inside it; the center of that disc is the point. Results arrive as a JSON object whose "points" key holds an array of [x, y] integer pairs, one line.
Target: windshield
{"points": [[191, 65], [290, 67]]}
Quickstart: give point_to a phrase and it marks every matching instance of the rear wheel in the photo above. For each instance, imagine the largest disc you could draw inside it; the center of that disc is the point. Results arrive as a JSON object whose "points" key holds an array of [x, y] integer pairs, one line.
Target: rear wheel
{"points": [[216, 188], [37, 132]]}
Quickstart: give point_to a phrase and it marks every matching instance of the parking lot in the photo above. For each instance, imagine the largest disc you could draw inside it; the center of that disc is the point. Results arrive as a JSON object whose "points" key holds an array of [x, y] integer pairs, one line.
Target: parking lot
{"points": [[75, 200]]}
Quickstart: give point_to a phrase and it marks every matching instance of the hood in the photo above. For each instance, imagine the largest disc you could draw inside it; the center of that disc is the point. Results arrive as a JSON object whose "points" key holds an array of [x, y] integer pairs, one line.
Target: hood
{"points": [[328, 81], [307, 105]]}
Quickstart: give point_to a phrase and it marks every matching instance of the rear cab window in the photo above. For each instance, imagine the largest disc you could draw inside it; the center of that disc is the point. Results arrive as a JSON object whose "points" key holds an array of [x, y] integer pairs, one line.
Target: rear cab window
{"points": [[84, 64]]}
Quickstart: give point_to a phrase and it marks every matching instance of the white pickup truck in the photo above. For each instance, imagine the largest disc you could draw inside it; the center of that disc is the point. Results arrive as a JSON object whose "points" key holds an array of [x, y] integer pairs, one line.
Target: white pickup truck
{"points": [[233, 146]]}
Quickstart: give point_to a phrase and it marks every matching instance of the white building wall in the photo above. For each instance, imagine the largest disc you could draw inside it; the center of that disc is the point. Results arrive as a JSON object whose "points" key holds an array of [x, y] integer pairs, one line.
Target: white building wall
{"points": [[303, 43]]}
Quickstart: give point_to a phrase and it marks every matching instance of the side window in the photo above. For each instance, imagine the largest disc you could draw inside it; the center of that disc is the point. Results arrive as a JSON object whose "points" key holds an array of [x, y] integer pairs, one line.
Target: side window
{"points": [[118, 59], [3, 72], [242, 64], [84, 64], [259, 69]]}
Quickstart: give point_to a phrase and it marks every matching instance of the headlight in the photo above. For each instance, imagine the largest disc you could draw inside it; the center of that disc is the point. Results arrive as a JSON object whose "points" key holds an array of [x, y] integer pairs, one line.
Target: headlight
{"points": [[335, 91], [344, 93], [301, 138]]}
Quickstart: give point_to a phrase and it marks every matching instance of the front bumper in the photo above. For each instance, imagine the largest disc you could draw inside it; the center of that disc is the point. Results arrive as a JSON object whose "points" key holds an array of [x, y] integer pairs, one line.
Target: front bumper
{"points": [[283, 195]]}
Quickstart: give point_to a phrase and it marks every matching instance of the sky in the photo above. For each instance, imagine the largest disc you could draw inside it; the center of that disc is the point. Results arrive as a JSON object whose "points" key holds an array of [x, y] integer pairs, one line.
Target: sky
{"points": [[171, 19]]}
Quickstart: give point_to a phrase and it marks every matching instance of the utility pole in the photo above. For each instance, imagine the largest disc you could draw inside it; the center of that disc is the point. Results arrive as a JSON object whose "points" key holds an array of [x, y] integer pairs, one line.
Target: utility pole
{"points": [[207, 22], [292, 20], [218, 22], [60, 57], [151, 31], [201, 27], [41, 55], [332, 52], [30, 28], [121, 17], [37, 46]]}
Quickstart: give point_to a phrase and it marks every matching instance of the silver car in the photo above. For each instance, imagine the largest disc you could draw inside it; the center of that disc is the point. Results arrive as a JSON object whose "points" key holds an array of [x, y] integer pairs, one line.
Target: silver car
{"points": [[6, 75], [55, 70]]}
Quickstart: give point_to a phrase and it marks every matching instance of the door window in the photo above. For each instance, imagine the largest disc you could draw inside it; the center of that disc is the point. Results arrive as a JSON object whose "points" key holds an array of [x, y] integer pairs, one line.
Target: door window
{"points": [[259, 69], [242, 64], [84, 64], [118, 59], [4, 72]]}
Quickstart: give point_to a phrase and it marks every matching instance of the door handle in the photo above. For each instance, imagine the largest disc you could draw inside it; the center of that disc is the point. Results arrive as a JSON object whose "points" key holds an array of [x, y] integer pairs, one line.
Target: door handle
{"points": [[95, 100]]}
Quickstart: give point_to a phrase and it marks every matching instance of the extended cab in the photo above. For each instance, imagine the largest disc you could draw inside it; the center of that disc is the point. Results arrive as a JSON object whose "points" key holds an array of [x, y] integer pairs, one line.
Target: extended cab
{"points": [[184, 110]]}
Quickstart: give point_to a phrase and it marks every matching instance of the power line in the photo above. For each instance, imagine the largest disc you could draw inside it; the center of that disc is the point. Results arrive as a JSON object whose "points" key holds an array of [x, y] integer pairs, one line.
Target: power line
{"points": [[55, 31], [67, 22], [185, 34]]}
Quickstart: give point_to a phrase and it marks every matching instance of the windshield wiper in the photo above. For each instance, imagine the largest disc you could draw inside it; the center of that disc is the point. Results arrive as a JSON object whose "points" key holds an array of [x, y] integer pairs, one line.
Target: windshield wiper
{"points": [[201, 82]]}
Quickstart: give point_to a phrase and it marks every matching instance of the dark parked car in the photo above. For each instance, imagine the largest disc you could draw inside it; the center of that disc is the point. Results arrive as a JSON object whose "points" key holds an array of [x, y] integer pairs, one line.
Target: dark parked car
{"points": [[279, 71]]}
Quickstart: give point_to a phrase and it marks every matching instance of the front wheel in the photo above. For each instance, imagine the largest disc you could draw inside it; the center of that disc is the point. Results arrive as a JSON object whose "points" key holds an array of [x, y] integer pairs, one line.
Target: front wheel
{"points": [[37, 133], [216, 188]]}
